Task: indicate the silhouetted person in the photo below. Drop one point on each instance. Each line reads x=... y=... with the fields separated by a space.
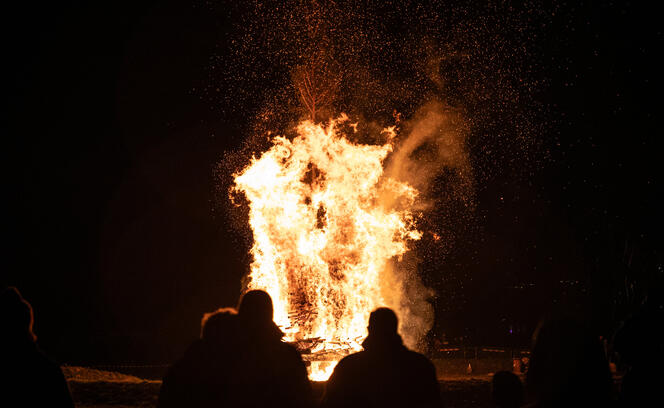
x=29 y=378
x=506 y=390
x=568 y=367
x=640 y=346
x=270 y=372
x=385 y=374
x=201 y=377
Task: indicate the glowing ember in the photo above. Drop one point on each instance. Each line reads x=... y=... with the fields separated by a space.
x=325 y=222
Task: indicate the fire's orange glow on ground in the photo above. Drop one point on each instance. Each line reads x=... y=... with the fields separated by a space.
x=326 y=222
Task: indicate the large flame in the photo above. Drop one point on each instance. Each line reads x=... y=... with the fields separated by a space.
x=326 y=222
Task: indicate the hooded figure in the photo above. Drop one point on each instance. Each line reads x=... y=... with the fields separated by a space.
x=269 y=372
x=568 y=367
x=28 y=378
x=385 y=374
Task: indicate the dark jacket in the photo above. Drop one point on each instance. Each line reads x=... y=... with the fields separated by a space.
x=270 y=373
x=199 y=379
x=29 y=379
x=255 y=369
x=386 y=374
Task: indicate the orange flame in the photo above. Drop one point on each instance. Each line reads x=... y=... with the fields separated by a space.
x=326 y=222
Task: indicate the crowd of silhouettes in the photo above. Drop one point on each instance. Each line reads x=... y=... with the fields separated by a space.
x=241 y=360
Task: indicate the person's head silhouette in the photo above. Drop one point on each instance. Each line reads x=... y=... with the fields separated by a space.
x=16 y=316
x=506 y=390
x=256 y=305
x=383 y=324
x=219 y=326
x=255 y=313
x=568 y=365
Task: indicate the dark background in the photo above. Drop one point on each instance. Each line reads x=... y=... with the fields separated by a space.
x=112 y=229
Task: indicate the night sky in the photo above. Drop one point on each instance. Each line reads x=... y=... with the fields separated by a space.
x=113 y=137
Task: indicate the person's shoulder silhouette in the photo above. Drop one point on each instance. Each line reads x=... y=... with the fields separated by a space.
x=568 y=366
x=640 y=346
x=28 y=377
x=272 y=372
x=385 y=374
x=201 y=377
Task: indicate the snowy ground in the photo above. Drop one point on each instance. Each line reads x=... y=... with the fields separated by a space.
x=92 y=388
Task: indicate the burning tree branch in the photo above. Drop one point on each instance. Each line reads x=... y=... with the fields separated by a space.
x=317 y=85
